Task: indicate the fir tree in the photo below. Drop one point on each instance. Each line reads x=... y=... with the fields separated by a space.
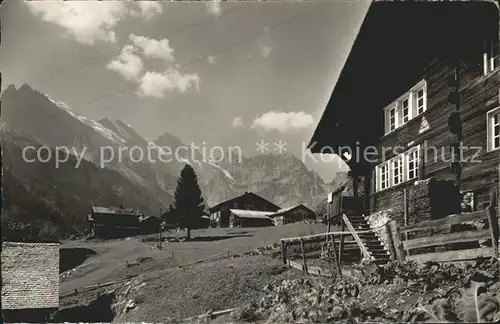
x=188 y=201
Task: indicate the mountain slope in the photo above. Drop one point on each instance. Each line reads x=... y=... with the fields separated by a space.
x=56 y=200
x=29 y=117
x=32 y=114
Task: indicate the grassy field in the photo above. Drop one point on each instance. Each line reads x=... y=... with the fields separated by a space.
x=170 y=292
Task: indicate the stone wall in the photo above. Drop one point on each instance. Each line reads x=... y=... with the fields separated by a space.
x=377 y=220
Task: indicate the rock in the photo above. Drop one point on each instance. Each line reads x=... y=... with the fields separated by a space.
x=129 y=305
x=132 y=264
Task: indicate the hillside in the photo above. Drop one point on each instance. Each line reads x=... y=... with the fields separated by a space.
x=33 y=118
x=55 y=202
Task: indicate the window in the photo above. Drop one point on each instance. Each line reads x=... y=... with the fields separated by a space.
x=491 y=59
x=384 y=176
x=406 y=110
x=420 y=101
x=399 y=169
x=408 y=106
x=412 y=162
x=392 y=119
x=493 y=130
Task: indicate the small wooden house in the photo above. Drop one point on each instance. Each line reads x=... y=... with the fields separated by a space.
x=415 y=112
x=249 y=218
x=293 y=214
x=113 y=221
x=220 y=213
x=30 y=282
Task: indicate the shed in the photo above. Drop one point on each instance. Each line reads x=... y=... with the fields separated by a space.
x=30 y=281
x=250 y=218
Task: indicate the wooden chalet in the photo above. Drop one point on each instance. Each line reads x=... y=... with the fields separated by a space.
x=220 y=213
x=107 y=222
x=293 y=214
x=30 y=282
x=415 y=112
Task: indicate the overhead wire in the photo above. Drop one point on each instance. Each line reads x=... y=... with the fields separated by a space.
x=218 y=51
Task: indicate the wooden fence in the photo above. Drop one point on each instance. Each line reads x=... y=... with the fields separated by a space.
x=403 y=248
x=341 y=243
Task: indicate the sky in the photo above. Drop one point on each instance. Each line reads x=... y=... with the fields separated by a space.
x=212 y=73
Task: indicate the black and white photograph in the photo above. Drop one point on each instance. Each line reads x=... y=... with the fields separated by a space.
x=250 y=161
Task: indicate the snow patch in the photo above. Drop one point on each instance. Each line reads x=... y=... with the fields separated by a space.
x=89 y=122
x=224 y=171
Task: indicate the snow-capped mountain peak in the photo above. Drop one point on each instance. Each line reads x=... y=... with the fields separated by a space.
x=89 y=122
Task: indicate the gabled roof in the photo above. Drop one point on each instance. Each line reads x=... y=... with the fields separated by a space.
x=288 y=209
x=251 y=213
x=30 y=275
x=116 y=211
x=396 y=42
x=218 y=206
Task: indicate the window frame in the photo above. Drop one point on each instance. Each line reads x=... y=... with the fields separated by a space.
x=491 y=58
x=388 y=169
x=379 y=172
x=416 y=152
x=490 y=136
x=399 y=160
x=411 y=96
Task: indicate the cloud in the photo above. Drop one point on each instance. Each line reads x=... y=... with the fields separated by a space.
x=127 y=64
x=283 y=121
x=153 y=48
x=90 y=21
x=152 y=83
x=265 y=50
x=156 y=85
x=149 y=8
x=237 y=122
x=85 y=21
x=211 y=59
x=214 y=7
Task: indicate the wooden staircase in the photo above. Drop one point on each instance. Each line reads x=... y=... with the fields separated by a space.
x=370 y=244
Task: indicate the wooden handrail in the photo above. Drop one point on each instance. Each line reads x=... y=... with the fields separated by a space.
x=361 y=245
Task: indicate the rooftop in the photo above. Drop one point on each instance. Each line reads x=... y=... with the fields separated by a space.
x=30 y=275
x=116 y=211
x=251 y=213
x=284 y=210
x=217 y=207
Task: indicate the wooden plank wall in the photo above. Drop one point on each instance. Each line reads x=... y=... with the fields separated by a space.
x=491 y=233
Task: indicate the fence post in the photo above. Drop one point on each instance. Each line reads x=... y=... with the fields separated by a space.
x=398 y=245
x=283 y=251
x=342 y=237
x=335 y=259
x=493 y=222
x=303 y=256
x=391 y=242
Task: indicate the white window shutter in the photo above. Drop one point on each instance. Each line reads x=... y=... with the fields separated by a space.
x=387 y=121
x=399 y=115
